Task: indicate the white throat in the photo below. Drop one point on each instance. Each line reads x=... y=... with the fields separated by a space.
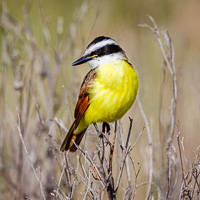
x=99 y=61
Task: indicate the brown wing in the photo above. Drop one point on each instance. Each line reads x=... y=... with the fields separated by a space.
x=83 y=99
x=81 y=107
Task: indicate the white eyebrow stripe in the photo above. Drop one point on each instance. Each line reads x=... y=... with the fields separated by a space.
x=99 y=45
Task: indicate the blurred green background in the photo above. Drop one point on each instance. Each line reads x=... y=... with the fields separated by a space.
x=65 y=28
x=119 y=19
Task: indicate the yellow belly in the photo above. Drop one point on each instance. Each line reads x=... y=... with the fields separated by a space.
x=111 y=94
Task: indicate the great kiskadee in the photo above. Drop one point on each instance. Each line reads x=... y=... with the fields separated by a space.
x=107 y=92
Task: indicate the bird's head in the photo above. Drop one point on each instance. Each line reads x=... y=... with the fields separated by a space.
x=100 y=51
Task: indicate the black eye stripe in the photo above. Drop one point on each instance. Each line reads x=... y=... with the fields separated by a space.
x=107 y=50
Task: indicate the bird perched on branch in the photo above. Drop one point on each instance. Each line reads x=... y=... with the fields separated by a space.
x=107 y=92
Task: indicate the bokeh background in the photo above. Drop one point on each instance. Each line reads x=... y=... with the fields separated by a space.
x=38 y=42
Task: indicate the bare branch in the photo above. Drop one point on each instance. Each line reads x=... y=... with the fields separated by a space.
x=28 y=158
x=150 y=141
x=91 y=162
x=167 y=50
x=125 y=152
x=181 y=159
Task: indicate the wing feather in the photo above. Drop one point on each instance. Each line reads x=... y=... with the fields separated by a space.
x=83 y=99
x=81 y=107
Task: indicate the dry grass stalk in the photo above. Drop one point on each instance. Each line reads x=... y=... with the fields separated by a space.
x=166 y=46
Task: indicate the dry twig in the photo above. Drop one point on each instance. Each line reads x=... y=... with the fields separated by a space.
x=28 y=158
x=168 y=55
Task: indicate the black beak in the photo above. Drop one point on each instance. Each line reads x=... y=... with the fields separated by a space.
x=82 y=60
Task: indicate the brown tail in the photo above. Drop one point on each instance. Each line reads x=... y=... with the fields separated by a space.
x=68 y=143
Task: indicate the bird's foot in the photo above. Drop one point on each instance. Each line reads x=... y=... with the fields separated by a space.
x=106 y=128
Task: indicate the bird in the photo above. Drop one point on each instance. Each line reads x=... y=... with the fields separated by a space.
x=107 y=92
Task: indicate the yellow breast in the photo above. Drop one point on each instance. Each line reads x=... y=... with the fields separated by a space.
x=112 y=93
